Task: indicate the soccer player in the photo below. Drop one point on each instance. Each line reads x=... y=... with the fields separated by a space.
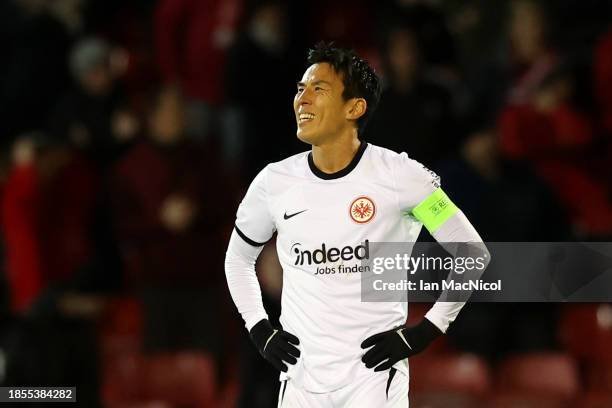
x=334 y=350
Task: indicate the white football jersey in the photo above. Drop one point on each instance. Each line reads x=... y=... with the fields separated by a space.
x=324 y=222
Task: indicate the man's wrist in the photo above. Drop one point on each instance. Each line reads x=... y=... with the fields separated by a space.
x=251 y=319
x=420 y=336
x=428 y=330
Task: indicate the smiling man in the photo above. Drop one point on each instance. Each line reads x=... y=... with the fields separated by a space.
x=327 y=205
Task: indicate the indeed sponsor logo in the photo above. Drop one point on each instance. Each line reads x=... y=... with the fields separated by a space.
x=324 y=254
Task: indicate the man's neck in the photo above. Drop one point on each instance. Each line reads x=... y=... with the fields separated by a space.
x=334 y=156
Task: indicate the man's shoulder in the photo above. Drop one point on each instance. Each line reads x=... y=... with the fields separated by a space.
x=291 y=166
x=400 y=164
x=383 y=152
x=388 y=157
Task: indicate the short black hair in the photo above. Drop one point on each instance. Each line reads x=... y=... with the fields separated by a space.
x=359 y=78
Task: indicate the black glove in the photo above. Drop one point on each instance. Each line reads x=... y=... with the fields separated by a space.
x=397 y=344
x=275 y=345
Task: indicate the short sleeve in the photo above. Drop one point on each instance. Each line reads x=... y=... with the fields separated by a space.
x=254 y=223
x=414 y=182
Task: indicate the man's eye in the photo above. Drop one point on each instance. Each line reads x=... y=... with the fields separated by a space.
x=300 y=90
x=318 y=88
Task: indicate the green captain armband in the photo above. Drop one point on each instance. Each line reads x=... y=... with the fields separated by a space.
x=434 y=210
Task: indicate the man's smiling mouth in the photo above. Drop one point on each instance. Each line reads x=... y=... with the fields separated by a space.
x=305 y=117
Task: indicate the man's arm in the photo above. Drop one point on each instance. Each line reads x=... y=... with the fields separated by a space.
x=458 y=237
x=275 y=345
x=254 y=227
x=242 y=280
x=421 y=197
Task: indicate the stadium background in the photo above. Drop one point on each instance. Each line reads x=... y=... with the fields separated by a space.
x=130 y=130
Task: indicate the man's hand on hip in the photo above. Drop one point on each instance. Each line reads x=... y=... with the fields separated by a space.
x=275 y=345
x=397 y=344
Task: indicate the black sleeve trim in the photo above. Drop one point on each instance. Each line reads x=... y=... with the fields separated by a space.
x=247 y=239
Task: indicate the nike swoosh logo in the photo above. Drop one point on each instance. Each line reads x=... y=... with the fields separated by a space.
x=292 y=215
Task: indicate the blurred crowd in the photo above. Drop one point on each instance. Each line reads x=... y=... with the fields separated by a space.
x=130 y=130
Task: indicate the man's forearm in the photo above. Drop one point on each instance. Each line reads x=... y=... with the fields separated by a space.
x=459 y=238
x=242 y=280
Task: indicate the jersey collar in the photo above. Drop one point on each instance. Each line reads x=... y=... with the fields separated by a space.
x=339 y=173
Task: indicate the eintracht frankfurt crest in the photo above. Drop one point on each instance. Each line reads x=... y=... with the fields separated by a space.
x=362 y=210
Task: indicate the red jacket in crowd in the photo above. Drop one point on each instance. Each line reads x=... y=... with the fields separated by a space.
x=46 y=219
x=191 y=38
x=556 y=143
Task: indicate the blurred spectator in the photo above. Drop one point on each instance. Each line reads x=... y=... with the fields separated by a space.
x=52 y=266
x=505 y=202
x=172 y=209
x=93 y=116
x=23 y=266
x=531 y=56
x=553 y=136
x=602 y=81
x=479 y=176
x=47 y=213
x=260 y=68
x=414 y=114
x=430 y=29
x=477 y=28
x=69 y=12
x=129 y=25
x=33 y=72
x=550 y=124
x=191 y=38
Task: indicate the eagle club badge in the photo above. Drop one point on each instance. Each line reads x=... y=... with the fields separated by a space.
x=362 y=210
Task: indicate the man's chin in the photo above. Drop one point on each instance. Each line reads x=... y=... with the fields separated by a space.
x=305 y=137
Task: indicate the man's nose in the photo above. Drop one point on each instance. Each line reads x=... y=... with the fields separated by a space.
x=304 y=98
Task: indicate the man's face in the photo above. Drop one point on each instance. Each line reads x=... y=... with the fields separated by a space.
x=320 y=109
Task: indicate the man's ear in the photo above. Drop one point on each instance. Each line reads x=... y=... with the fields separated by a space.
x=356 y=108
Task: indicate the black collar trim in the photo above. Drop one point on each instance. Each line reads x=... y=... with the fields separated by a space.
x=339 y=173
